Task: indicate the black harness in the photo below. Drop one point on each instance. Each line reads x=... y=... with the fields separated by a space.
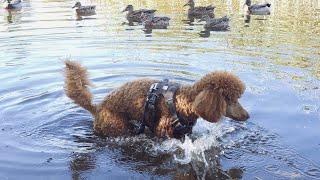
x=167 y=90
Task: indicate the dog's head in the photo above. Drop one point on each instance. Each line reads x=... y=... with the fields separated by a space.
x=218 y=95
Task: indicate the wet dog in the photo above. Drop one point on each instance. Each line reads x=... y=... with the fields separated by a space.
x=213 y=96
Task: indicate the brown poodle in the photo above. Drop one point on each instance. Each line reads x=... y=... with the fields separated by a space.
x=213 y=96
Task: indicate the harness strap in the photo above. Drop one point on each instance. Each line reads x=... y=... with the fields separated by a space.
x=168 y=96
x=167 y=90
x=149 y=106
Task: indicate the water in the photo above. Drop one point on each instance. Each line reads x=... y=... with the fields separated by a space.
x=44 y=135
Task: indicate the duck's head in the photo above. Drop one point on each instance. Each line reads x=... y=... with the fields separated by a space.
x=190 y=3
x=78 y=4
x=6 y=1
x=128 y=8
x=248 y=3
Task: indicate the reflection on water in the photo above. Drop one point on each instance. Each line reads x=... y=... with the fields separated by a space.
x=43 y=134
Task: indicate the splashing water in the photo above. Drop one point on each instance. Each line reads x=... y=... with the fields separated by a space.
x=193 y=147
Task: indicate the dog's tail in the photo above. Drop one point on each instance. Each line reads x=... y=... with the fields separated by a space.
x=76 y=85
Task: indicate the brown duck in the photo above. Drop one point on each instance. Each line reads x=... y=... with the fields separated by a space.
x=135 y=15
x=199 y=11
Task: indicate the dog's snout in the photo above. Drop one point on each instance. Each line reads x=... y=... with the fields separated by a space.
x=237 y=112
x=246 y=116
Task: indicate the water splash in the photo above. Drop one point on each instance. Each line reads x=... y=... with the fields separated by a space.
x=193 y=147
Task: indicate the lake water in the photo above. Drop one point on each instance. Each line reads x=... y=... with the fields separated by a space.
x=44 y=135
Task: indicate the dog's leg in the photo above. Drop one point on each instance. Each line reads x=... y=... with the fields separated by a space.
x=164 y=128
x=111 y=124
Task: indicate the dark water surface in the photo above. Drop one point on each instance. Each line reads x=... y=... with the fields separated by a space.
x=43 y=135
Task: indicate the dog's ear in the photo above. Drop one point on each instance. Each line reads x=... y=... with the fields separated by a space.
x=210 y=105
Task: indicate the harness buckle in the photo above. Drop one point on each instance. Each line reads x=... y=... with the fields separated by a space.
x=169 y=101
x=153 y=87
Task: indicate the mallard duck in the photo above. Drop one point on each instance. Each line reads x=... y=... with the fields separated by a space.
x=258 y=9
x=151 y=22
x=15 y=5
x=135 y=15
x=216 y=24
x=84 y=10
x=199 y=11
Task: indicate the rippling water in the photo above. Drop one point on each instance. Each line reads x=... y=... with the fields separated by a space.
x=44 y=135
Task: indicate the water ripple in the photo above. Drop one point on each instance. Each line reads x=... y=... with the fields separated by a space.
x=43 y=134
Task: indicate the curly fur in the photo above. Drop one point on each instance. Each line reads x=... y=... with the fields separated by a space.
x=76 y=87
x=213 y=96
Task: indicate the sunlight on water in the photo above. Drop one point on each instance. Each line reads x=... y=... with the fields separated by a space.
x=43 y=134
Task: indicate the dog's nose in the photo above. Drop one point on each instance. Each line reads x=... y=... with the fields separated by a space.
x=245 y=116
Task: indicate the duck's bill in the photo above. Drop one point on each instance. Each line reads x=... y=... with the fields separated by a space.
x=186 y=5
x=73 y=7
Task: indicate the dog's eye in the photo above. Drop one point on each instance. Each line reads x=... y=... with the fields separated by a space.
x=230 y=100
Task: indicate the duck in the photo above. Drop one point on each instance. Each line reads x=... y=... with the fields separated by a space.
x=13 y=5
x=84 y=10
x=216 y=24
x=154 y=22
x=199 y=11
x=135 y=15
x=258 y=9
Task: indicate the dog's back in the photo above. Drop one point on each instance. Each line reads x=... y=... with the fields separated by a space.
x=128 y=99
